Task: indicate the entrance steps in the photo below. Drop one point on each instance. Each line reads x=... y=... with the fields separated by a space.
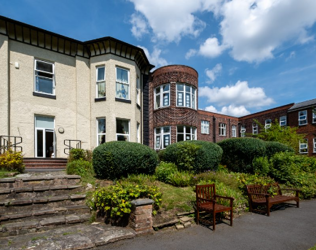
x=45 y=163
x=38 y=202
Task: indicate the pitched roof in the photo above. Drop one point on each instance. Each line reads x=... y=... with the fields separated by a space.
x=300 y=105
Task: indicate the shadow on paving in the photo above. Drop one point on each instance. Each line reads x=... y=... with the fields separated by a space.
x=287 y=228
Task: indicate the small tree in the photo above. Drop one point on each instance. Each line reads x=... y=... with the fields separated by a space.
x=283 y=134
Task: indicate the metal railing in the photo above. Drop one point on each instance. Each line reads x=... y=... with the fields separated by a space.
x=70 y=144
x=7 y=142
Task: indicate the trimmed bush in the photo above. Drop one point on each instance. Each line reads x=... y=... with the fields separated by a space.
x=273 y=147
x=238 y=153
x=80 y=167
x=80 y=154
x=118 y=159
x=194 y=156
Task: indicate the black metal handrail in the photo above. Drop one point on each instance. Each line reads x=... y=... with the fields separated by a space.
x=7 y=142
x=69 y=145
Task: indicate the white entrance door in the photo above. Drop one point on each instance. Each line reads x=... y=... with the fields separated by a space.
x=44 y=137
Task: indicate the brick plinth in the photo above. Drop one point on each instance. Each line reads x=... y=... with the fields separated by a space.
x=141 y=217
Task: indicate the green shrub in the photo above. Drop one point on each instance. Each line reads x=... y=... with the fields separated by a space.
x=238 y=153
x=195 y=156
x=80 y=167
x=115 y=201
x=80 y=154
x=180 y=179
x=273 y=147
x=12 y=161
x=164 y=169
x=118 y=159
x=261 y=165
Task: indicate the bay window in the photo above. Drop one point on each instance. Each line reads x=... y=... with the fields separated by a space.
x=186 y=96
x=186 y=133
x=162 y=96
x=122 y=83
x=122 y=130
x=162 y=137
x=100 y=82
x=101 y=131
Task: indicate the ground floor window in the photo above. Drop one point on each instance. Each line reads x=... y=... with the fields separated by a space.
x=205 y=127
x=303 y=146
x=234 y=134
x=101 y=131
x=122 y=130
x=222 y=129
x=254 y=128
x=242 y=131
x=162 y=137
x=186 y=133
x=314 y=145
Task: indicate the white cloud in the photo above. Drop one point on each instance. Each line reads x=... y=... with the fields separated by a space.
x=239 y=94
x=190 y=53
x=139 y=26
x=211 y=48
x=230 y=110
x=154 y=57
x=170 y=20
x=213 y=73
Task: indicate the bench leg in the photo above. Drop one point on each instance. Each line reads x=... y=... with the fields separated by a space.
x=214 y=220
x=197 y=216
x=231 y=218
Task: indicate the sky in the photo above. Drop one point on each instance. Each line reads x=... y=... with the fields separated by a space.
x=251 y=55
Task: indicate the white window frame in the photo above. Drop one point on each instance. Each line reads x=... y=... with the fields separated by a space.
x=127 y=84
x=234 y=131
x=126 y=135
x=185 y=133
x=283 y=121
x=101 y=133
x=242 y=131
x=314 y=115
x=138 y=132
x=302 y=117
x=163 y=137
x=162 y=94
x=267 y=124
x=222 y=129
x=38 y=72
x=99 y=81
x=303 y=146
x=205 y=127
x=254 y=128
x=314 y=145
x=188 y=91
x=138 y=92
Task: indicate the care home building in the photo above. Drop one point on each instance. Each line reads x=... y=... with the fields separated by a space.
x=56 y=91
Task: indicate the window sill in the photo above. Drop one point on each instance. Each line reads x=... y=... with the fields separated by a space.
x=100 y=99
x=122 y=100
x=44 y=95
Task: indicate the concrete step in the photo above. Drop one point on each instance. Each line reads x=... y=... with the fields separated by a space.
x=39 y=214
x=41 y=224
x=27 y=180
x=57 y=163
x=10 y=206
x=38 y=191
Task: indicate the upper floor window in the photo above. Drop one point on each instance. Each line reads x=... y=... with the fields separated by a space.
x=162 y=137
x=314 y=115
x=283 y=121
x=186 y=96
x=222 y=129
x=314 y=145
x=44 y=77
x=302 y=117
x=138 y=93
x=122 y=83
x=234 y=130
x=267 y=124
x=254 y=128
x=186 y=133
x=242 y=131
x=100 y=81
x=101 y=131
x=303 y=146
x=162 y=96
x=122 y=130
x=205 y=127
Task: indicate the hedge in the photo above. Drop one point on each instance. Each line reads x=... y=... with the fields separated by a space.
x=116 y=159
x=273 y=147
x=238 y=153
x=194 y=156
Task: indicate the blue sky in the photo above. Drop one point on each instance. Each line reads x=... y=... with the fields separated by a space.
x=251 y=55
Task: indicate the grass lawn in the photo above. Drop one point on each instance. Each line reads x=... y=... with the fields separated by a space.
x=5 y=173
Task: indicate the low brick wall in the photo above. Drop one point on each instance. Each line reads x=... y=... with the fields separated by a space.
x=141 y=217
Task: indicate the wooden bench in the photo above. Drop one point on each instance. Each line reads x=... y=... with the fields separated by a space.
x=207 y=200
x=259 y=196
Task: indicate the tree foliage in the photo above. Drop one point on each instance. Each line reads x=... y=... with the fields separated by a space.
x=283 y=134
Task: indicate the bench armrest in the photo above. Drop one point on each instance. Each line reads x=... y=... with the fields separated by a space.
x=297 y=191
x=202 y=199
x=224 y=197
